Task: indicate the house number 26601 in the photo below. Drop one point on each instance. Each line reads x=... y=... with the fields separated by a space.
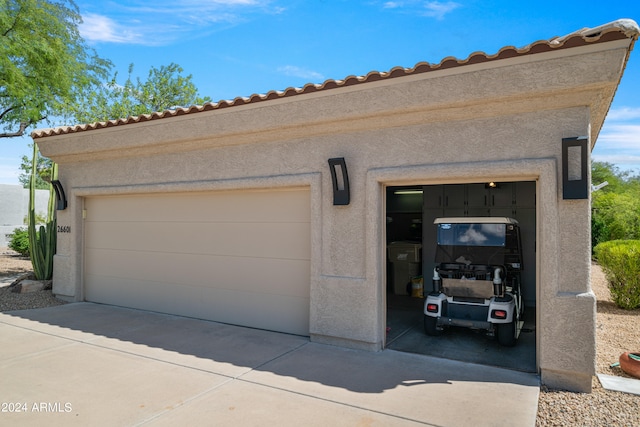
x=64 y=229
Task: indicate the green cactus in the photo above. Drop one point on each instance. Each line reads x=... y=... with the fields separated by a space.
x=42 y=244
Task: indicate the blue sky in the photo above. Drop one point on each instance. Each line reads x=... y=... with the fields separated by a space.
x=241 y=47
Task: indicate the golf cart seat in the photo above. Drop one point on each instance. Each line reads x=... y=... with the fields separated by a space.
x=467 y=288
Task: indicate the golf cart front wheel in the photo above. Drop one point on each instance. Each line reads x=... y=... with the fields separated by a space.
x=431 y=325
x=507 y=333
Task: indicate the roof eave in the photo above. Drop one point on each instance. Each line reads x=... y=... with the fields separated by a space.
x=617 y=30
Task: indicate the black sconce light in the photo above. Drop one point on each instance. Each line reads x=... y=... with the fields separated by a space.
x=340 y=181
x=574 y=168
x=61 y=200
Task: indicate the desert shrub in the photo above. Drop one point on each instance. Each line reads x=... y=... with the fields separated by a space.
x=620 y=261
x=19 y=241
x=615 y=217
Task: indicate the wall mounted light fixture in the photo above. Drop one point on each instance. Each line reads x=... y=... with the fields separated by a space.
x=61 y=200
x=574 y=168
x=340 y=181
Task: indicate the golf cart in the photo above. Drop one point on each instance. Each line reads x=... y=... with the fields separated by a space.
x=476 y=282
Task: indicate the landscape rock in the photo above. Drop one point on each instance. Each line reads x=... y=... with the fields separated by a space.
x=27 y=286
x=24 y=276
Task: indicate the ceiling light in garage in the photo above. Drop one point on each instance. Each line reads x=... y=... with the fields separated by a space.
x=408 y=191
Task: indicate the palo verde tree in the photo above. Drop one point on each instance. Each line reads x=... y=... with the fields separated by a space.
x=42 y=171
x=47 y=70
x=165 y=88
x=45 y=65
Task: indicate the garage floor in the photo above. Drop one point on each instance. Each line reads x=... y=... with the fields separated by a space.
x=406 y=333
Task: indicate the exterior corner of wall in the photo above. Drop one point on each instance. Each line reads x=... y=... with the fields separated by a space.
x=568 y=340
x=574 y=246
x=570 y=381
x=346 y=308
x=62 y=282
x=347 y=343
x=65 y=298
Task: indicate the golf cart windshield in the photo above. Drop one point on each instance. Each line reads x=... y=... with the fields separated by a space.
x=478 y=241
x=471 y=234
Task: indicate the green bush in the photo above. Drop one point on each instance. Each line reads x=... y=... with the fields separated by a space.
x=19 y=241
x=615 y=217
x=620 y=260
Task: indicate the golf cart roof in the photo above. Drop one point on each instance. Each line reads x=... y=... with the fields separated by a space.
x=476 y=220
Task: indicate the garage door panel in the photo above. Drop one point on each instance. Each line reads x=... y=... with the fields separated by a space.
x=145 y=294
x=254 y=309
x=241 y=258
x=110 y=289
x=272 y=312
x=242 y=206
x=291 y=241
x=267 y=275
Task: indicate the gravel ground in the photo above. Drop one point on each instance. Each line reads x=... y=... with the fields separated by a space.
x=617 y=331
x=11 y=266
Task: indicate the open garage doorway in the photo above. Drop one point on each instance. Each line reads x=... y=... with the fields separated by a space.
x=411 y=241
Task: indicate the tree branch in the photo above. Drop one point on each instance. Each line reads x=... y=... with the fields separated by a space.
x=8 y=110
x=20 y=132
x=22 y=129
x=14 y=24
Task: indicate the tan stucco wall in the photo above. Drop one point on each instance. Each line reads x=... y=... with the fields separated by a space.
x=500 y=121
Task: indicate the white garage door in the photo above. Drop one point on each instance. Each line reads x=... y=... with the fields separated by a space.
x=240 y=257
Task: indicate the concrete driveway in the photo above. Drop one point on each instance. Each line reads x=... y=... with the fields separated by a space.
x=91 y=364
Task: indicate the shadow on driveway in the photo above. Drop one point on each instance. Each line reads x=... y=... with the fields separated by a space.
x=386 y=384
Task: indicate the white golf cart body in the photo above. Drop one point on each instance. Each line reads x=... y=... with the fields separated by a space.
x=476 y=282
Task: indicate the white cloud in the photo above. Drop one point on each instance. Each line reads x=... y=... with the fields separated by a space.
x=99 y=28
x=618 y=159
x=436 y=9
x=620 y=137
x=431 y=9
x=163 y=21
x=294 y=71
x=623 y=113
x=619 y=143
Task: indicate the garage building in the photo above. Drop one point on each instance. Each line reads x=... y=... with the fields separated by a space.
x=273 y=211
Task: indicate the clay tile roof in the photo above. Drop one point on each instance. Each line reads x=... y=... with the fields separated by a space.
x=617 y=30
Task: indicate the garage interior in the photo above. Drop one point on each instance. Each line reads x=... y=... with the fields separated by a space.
x=410 y=213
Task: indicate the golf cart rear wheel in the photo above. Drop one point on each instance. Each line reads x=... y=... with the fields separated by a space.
x=431 y=326
x=507 y=333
